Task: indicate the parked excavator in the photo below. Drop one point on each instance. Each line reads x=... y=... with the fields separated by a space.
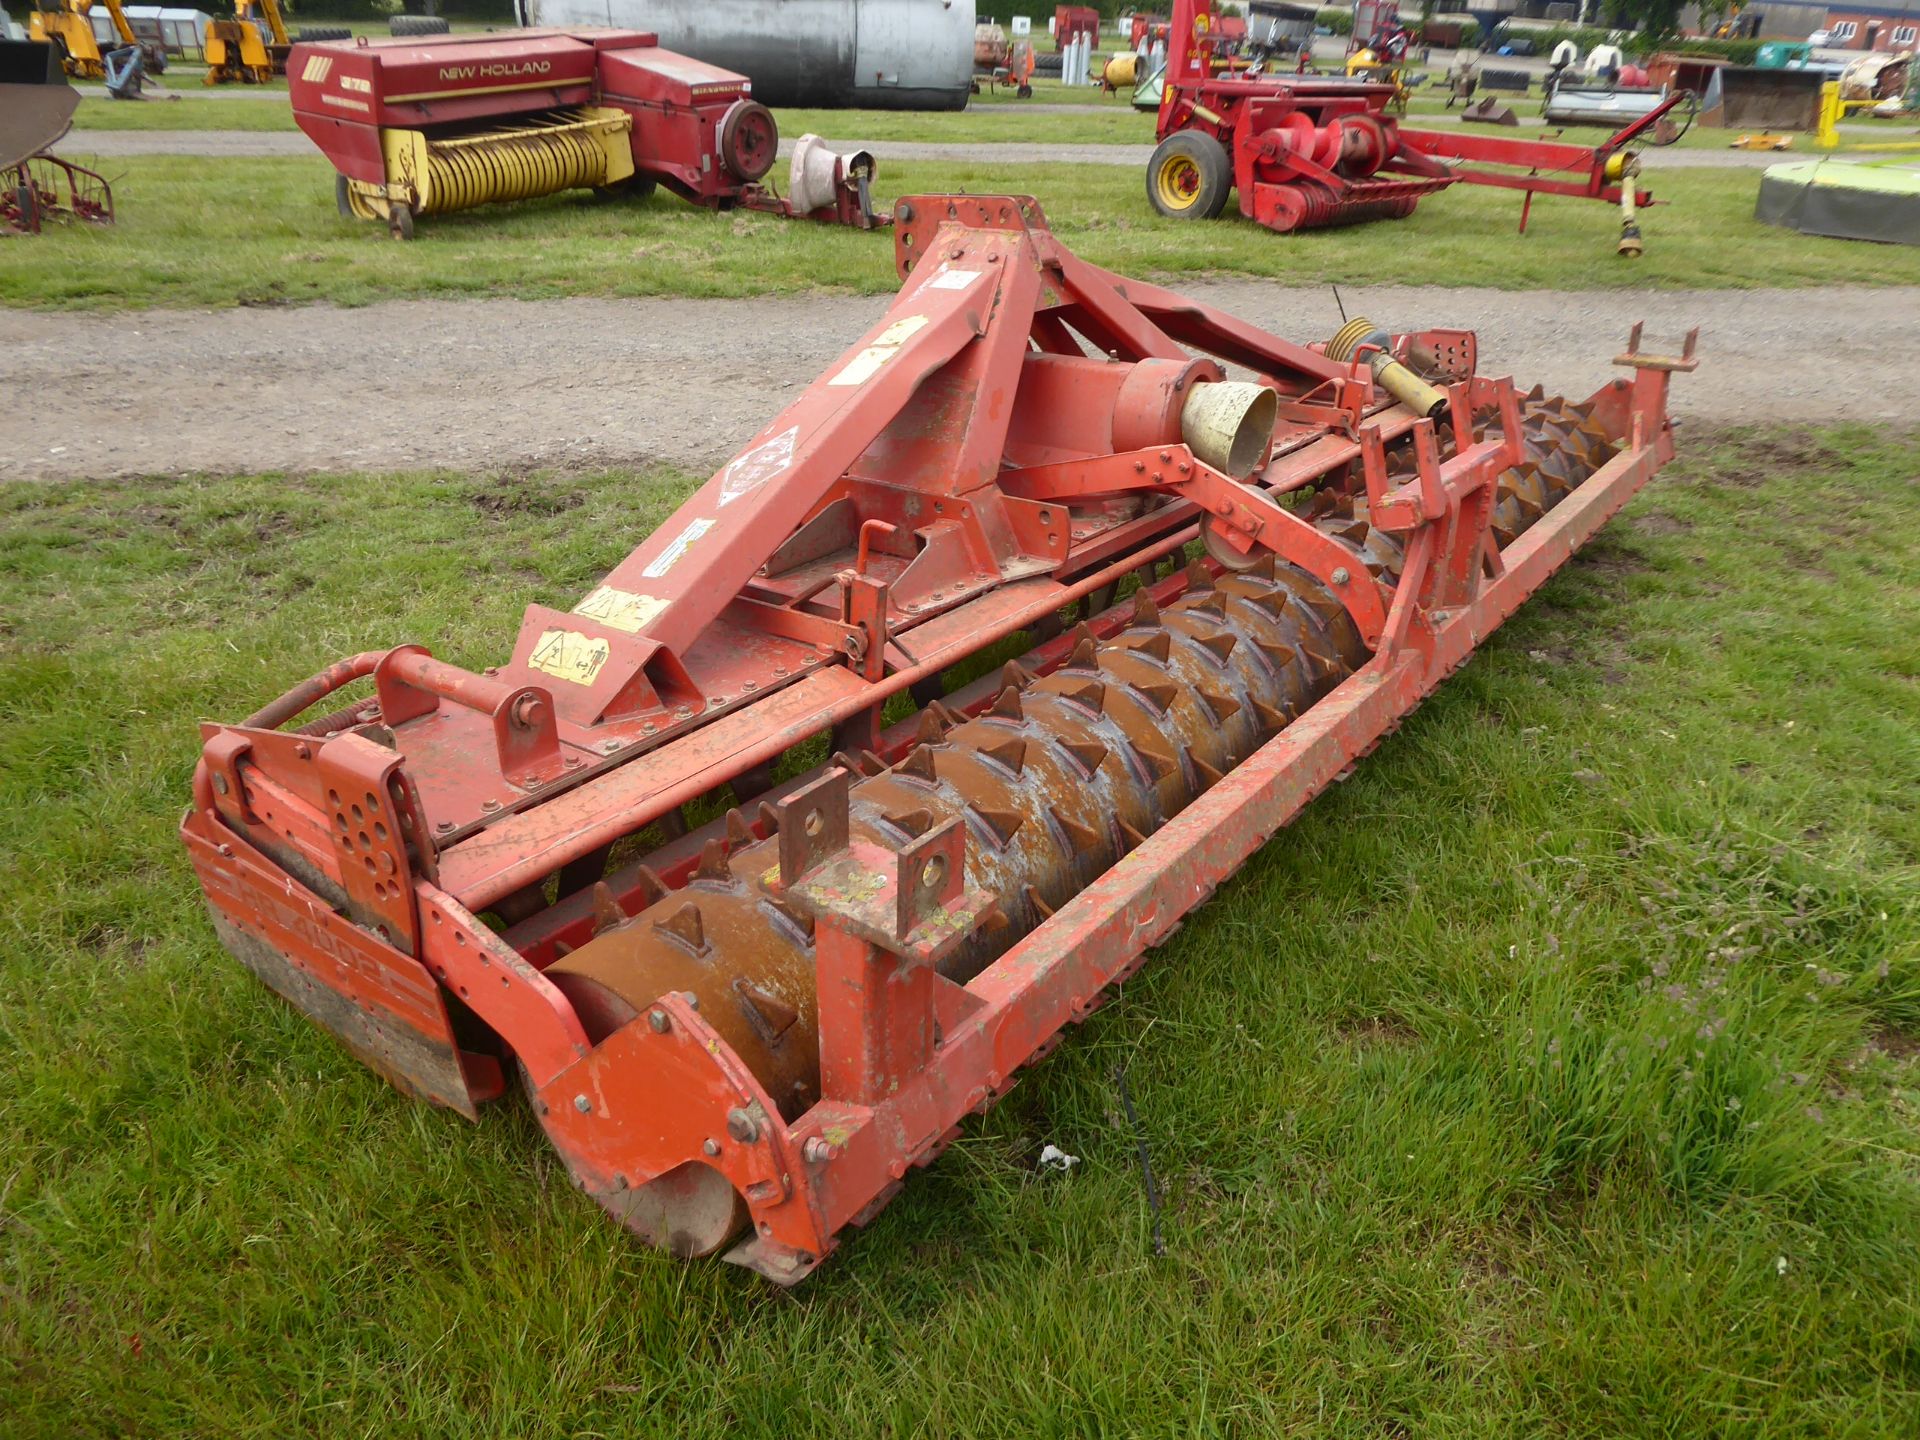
x=237 y=50
x=68 y=26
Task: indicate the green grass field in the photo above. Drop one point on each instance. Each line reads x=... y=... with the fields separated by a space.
x=1097 y=119
x=1111 y=124
x=1558 y=1074
x=268 y=233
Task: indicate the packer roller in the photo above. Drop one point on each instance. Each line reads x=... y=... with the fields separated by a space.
x=752 y=871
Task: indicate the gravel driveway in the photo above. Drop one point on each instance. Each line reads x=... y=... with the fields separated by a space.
x=485 y=384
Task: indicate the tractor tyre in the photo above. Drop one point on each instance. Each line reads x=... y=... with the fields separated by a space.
x=418 y=25
x=316 y=34
x=1189 y=176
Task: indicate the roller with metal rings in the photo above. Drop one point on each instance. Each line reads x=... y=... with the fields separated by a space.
x=478 y=170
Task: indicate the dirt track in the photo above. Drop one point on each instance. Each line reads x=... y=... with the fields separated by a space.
x=506 y=383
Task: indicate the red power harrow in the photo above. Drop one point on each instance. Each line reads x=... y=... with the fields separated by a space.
x=744 y=1033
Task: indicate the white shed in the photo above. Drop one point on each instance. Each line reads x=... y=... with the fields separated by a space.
x=183 y=32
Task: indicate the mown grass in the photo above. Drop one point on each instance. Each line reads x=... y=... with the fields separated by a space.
x=261 y=232
x=1555 y=1075
x=1096 y=120
x=194 y=110
x=1114 y=124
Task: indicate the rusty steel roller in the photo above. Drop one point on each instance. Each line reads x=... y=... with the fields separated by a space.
x=1061 y=777
x=1560 y=446
x=1057 y=780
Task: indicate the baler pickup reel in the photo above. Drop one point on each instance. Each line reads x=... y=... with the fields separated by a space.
x=427 y=127
x=741 y=1034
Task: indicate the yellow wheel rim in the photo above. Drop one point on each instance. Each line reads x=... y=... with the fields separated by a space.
x=1178 y=182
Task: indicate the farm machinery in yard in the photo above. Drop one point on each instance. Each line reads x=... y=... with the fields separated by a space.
x=752 y=951
x=68 y=26
x=238 y=51
x=37 y=105
x=1309 y=151
x=425 y=127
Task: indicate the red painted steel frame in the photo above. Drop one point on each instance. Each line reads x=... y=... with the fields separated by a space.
x=348 y=864
x=1249 y=114
x=1008 y=1015
x=345 y=93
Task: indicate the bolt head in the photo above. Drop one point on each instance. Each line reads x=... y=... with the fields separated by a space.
x=443 y=826
x=660 y=1021
x=741 y=1126
x=816 y=1151
x=711 y=1147
x=583 y=1104
x=1340 y=576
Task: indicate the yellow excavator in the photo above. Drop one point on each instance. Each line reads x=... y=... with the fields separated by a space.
x=236 y=50
x=67 y=25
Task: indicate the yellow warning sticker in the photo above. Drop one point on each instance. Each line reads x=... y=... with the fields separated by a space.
x=569 y=655
x=884 y=347
x=620 y=609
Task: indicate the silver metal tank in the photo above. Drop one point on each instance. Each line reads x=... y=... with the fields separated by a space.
x=868 y=54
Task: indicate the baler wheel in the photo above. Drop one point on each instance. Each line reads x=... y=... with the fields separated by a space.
x=749 y=140
x=634 y=187
x=342 y=200
x=400 y=221
x=1189 y=176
